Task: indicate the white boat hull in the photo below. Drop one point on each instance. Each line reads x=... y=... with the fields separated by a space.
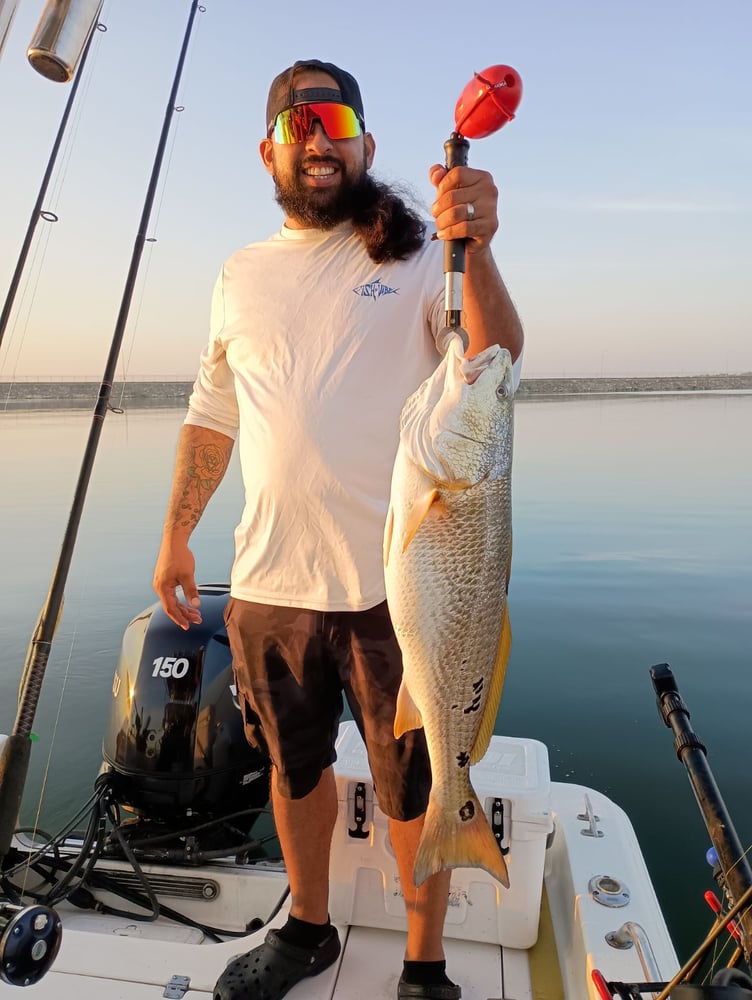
x=491 y=950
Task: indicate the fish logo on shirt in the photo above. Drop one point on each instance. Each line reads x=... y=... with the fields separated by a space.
x=375 y=289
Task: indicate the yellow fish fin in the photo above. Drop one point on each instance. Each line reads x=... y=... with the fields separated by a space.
x=418 y=514
x=388 y=532
x=408 y=714
x=494 y=695
x=460 y=840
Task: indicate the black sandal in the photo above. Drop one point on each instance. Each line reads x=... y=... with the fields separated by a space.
x=428 y=991
x=271 y=970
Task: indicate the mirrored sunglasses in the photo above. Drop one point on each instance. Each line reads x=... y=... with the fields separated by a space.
x=339 y=121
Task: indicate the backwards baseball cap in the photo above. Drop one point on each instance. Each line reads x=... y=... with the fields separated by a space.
x=283 y=95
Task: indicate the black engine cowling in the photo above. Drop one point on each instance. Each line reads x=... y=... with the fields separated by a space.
x=175 y=743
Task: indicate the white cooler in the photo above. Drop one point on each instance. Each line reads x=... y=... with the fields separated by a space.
x=514 y=787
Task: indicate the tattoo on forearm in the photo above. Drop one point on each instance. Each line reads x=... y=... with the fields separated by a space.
x=203 y=476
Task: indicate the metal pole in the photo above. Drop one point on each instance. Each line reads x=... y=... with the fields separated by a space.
x=15 y=753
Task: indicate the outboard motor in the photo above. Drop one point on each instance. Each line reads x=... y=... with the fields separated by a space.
x=175 y=746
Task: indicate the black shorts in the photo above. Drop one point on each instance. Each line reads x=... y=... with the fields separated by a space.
x=292 y=666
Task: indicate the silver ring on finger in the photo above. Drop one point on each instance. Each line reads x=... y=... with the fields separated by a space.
x=470 y=211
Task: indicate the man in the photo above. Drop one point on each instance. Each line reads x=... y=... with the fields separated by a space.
x=318 y=336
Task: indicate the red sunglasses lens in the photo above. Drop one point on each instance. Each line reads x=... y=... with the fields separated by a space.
x=339 y=121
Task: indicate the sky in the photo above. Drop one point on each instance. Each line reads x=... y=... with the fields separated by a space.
x=625 y=180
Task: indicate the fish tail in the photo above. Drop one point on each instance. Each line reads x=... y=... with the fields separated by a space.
x=458 y=839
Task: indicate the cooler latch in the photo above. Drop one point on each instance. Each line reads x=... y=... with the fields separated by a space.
x=499 y=813
x=359 y=809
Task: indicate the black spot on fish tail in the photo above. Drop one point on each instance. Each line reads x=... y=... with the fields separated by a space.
x=467 y=811
x=463 y=759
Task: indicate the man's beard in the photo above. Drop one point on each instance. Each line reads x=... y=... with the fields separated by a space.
x=323 y=208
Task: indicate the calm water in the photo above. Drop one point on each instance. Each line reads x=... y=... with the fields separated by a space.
x=633 y=546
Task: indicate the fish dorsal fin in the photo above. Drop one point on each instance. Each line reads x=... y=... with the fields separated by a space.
x=418 y=513
x=494 y=695
x=408 y=714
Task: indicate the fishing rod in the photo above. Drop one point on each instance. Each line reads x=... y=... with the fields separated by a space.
x=486 y=104
x=734 y=871
x=38 y=211
x=30 y=936
x=16 y=750
x=7 y=13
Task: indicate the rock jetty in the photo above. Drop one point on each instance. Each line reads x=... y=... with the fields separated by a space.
x=83 y=393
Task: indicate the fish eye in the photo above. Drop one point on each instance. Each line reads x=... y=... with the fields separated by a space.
x=501 y=390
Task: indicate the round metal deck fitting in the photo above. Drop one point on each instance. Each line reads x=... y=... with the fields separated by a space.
x=608 y=891
x=29 y=941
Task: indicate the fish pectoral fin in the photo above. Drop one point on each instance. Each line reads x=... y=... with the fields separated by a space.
x=494 y=695
x=418 y=513
x=388 y=533
x=408 y=715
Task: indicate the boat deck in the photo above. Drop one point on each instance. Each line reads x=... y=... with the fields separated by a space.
x=368 y=969
x=579 y=889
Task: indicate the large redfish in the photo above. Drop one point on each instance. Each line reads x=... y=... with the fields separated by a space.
x=447 y=554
